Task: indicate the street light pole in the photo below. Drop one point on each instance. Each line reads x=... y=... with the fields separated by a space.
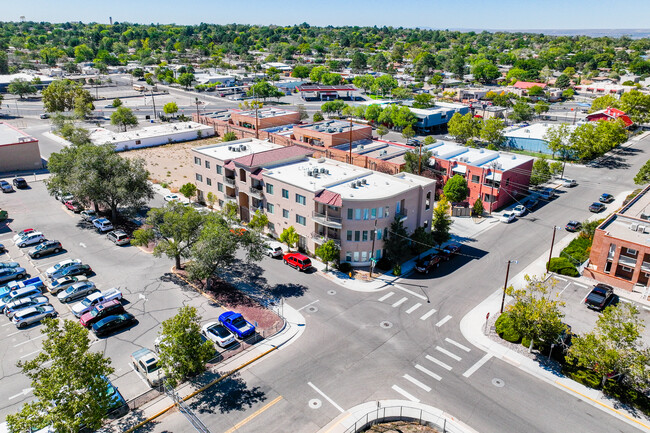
x=350 y=139
x=548 y=264
x=505 y=285
x=153 y=101
x=372 y=251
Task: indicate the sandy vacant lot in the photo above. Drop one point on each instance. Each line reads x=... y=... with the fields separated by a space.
x=171 y=164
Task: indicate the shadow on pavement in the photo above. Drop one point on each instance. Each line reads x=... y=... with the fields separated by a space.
x=133 y=418
x=231 y=394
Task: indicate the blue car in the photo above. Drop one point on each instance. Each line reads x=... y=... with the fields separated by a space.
x=8 y=274
x=236 y=324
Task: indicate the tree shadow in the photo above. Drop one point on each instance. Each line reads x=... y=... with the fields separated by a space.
x=170 y=277
x=231 y=394
x=289 y=290
x=134 y=418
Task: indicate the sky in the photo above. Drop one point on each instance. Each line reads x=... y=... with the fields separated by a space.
x=436 y=14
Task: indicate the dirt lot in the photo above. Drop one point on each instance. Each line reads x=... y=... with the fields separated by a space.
x=171 y=164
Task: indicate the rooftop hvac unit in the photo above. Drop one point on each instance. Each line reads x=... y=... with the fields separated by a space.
x=175 y=128
x=316 y=127
x=242 y=147
x=327 y=171
x=340 y=129
x=361 y=146
x=230 y=148
x=353 y=185
x=641 y=228
x=634 y=226
x=330 y=130
x=644 y=216
x=309 y=173
x=364 y=181
x=359 y=183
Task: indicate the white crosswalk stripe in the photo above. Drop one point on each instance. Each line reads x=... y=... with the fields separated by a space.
x=413 y=308
x=405 y=394
x=428 y=372
x=448 y=353
x=460 y=346
x=425 y=316
x=400 y=302
x=386 y=296
x=443 y=321
x=440 y=363
x=416 y=382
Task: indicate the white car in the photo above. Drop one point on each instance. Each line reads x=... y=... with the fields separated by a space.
x=102 y=225
x=93 y=299
x=31 y=315
x=88 y=215
x=519 y=210
x=172 y=197
x=20 y=304
x=273 y=249
x=60 y=266
x=21 y=234
x=30 y=239
x=569 y=183
x=507 y=217
x=216 y=332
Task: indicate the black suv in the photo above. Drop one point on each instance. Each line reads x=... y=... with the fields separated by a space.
x=427 y=263
x=20 y=183
x=599 y=297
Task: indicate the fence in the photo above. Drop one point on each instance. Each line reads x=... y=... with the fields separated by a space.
x=409 y=414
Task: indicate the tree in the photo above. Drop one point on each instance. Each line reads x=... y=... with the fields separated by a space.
x=186 y=79
x=413 y=163
x=117 y=102
x=317 y=72
x=170 y=108
x=541 y=172
x=302 y=111
x=174 y=229
x=603 y=102
x=373 y=111
x=332 y=79
x=408 y=132
x=615 y=345
x=359 y=62
x=401 y=93
x=441 y=222
x=536 y=91
x=421 y=241
x=289 y=236
x=485 y=71
x=456 y=189
x=563 y=81
x=521 y=112
x=188 y=190
x=478 y=208
x=558 y=139
x=436 y=80
x=212 y=199
x=264 y=90
x=568 y=93
x=396 y=243
x=541 y=107
x=462 y=128
x=556 y=168
x=492 y=131
x=643 y=176
x=385 y=84
x=382 y=130
x=183 y=351
x=61 y=95
x=636 y=105
x=83 y=53
x=328 y=252
x=300 y=71
x=67 y=380
x=364 y=82
x=21 y=88
x=258 y=221
x=535 y=313
x=318 y=117
x=124 y=118
x=229 y=136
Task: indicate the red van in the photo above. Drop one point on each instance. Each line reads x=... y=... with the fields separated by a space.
x=297 y=260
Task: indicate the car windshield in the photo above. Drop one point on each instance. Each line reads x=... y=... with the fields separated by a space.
x=219 y=331
x=152 y=367
x=239 y=322
x=86 y=302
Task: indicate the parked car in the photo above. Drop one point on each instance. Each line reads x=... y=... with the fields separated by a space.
x=547 y=194
x=102 y=225
x=54 y=271
x=119 y=237
x=80 y=308
x=599 y=297
x=573 y=226
x=273 y=249
x=531 y=202
x=236 y=324
x=597 y=207
x=47 y=247
x=65 y=197
x=14 y=295
x=5 y=186
x=568 y=183
x=507 y=217
x=297 y=260
x=519 y=210
x=30 y=239
x=216 y=332
x=449 y=251
x=114 y=323
x=2 y=249
x=76 y=291
x=427 y=263
x=79 y=269
x=9 y=265
x=15 y=285
x=20 y=183
x=20 y=304
x=606 y=198
x=9 y=274
x=31 y=315
x=74 y=206
x=172 y=197
x=44 y=116
x=146 y=362
x=88 y=215
x=98 y=312
x=21 y=234
x=56 y=286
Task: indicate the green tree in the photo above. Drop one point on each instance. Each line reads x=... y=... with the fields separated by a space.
x=364 y=82
x=441 y=222
x=615 y=345
x=643 y=176
x=117 y=102
x=328 y=252
x=289 y=236
x=359 y=62
x=558 y=139
x=401 y=93
x=212 y=199
x=300 y=108
x=541 y=107
x=521 y=112
x=332 y=79
x=258 y=221
x=568 y=93
x=382 y=130
x=636 y=105
x=264 y=90
x=373 y=112
x=67 y=381
x=456 y=189
x=385 y=83
x=603 y=102
x=4 y=63
x=183 y=351
x=436 y=80
x=478 y=208
x=124 y=118
x=396 y=243
x=462 y=128
x=536 y=91
x=429 y=140
x=408 y=132
x=170 y=108
x=186 y=80
x=492 y=131
x=317 y=72
x=318 y=117
x=423 y=100
x=229 y=136
x=414 y=163
x=83 y=53
x=300 y=71
x=563 y=81
x=541 y=172
x=82 y=108
x=485 y=71
x=188 y=190
x=61 y=95
x=421 y=241
x=556 y=168
x=21 y=88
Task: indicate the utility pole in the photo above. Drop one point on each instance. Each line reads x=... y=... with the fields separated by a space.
x=505 y=286
x=256 y=102
x=372 y=251
x=196 y=101
x=153 y=101
x=420 y=161
x=548 y=264
x=350 y=139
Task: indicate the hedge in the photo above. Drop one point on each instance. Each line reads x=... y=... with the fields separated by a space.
x=505 y=329
x=563 y=266
x=578 y=250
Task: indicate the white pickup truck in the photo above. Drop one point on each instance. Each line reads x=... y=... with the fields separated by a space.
x=147 y=363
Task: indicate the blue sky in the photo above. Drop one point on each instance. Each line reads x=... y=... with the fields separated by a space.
x=475 y=14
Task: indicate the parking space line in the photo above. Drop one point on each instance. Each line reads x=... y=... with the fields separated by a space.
x=6 y=324
x=427 y=372
x=581 y=285
x=425 y=316
x=460 y=346
x=443 y=321
x=413 y=308
x=567 y=286
x=400 y=302
x=30 y=354
x=440 y=363
x=14 y=333
x=624 y=300
x=646 y=308
x=405 y=394
x=448 y=353
x=416 y=382
x=29 y=341
x=477 y=365
x=326 y=397
x=559 y=278
x=386 y=296
x=301 y=308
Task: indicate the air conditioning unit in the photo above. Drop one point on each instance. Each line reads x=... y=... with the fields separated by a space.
x=641 y=228
x=644 y=216
x=364 y=181
x=353 y=185
x=322 y=170
x=230 y=148
x=634 y=226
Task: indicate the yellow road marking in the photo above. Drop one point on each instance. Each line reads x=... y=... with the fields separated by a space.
x=605 y=406
x=339 y=422
x=251 y=416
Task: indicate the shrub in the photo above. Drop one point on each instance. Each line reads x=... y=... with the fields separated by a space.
x=578 y=250
x=505 y=329
x=563 y=266
x=229 y=136
x=383 y=264
x=345 y=267
x=397 y=269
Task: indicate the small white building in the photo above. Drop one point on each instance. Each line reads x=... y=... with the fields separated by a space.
x=151 y=136
x=282 y=67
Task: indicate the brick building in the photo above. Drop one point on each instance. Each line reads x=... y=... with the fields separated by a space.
x=265 y=118
x=330 y=133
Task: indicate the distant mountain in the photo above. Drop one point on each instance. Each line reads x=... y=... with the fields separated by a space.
x=594 y=33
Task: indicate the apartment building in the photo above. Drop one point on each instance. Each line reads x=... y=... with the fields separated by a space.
x=321 y=198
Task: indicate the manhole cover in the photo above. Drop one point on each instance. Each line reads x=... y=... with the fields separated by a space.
x=498 y=382
x=315 y=403
x=331 y=292
x=312 y=309
x=386 y=324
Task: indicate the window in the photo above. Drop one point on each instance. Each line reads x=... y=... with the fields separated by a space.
x=364 y=236
x=356 y=256
x=386 y=211
x=397 y=207
x=208 y=181
x=219 y=186
x=365 y=214
x=380 y=212
x=626 y=269
x=426 y=224
x=197 y=160
x=378 y=254
x=364 y=256
x=378 y=234
x=220 y=203
x=285 y=213
x=348 y=256
x=357 y=214
x=427 y=203
x=219 y=169
x=357 y=236
x=373 y=213
x=350 y=213
x=199 y=177
x=271 y=227
x=301 y=199
x=301 y=220
x=138 y=141
x=285 y=193
x=631 y=252
x=269 y=207
x=476 y=178
x=507 y=182
x=269 y=188
x=207 y=164
x=349 y=235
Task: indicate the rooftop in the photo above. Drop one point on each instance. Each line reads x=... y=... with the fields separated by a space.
x=632 y=222
x=319 y=88
x=236 y=149
x=528 y=85
x=477 y=157
x=380 y=149
x=266 y=113
x=10 y=135
x=535 y=131
x=221 y=114
x=101 y=135
x=439 y=107
x=333 y=126
x=273 y=156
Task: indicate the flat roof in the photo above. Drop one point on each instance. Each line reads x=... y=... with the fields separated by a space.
x=225 y=151
x=267 y=113
x=535 y=131
x=477 y=157
x=10 y=135
x=319 y=88
x=221 y=114
x=333 y=126
x=380 y=149
x=634 y=215
x=102 y=135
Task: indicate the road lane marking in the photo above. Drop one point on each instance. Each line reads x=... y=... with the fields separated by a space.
x=428 y=372
x=400 y=302
x=448 y=353
x=386 y=296
x=416 y=382
x=413 y=308
x=253 y=415
x=440 y=363
x=326 y=397
x=7 y=324
x=425 y=316
x=305 y=306
x=646 y=308
x=23 y=393
x=405 y=394
x=30 y=354
x=460 y=346
x=478 y=365
x=417 y=295
x=443 y=321
x=13 y=333
x=29 y=341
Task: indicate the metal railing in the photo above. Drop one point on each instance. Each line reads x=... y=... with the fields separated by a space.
x=256 y=191
x=321 y=238
x=627 y=261
x=401 y=214
x=404 y=413
x=333 y=219
x=229 y=180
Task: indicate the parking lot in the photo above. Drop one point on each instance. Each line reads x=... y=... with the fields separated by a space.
x=151 y=292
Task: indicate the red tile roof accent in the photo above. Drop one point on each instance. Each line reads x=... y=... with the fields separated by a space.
x=230 y=165
x=329 y=198
x=268 y=156
x=528 y=85
x=610 y=113
x=257 y=174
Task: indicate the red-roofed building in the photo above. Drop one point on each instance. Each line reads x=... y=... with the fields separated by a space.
x=521 y=88
x=610 y=113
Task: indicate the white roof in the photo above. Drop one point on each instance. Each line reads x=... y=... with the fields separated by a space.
x=477 y=157
x=535 y=131
x=102 y=135
x=225 y=151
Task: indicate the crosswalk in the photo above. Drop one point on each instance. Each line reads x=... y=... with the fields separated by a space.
x=415 y=308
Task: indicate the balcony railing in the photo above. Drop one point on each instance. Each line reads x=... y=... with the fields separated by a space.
x=257 y=192
x=645 y=266
x=630 y=262
x=230 y=196
x=229 y=180
x=321 y=239
x=322 y=216
x=401 y=214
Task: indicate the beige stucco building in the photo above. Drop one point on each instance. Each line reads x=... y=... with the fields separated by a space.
x=18 y=151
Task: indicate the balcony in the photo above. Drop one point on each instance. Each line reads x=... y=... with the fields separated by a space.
x=630 y=262
x=229 y=180
x=327 y=220
x=401 y=215
x=645 y=266
x=230 y=196
x=321 y=239
x=256 y=192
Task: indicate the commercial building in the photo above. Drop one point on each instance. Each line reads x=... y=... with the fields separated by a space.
x=612 y=114
x=521 y=88
x=435 y=119
x=18 y=151
x=530 y=137
x=321 y=198
x=620 y=253
x=151 y=136
x=599 y=89
x=264 y=118
x=326 y=93
x=330 y=133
